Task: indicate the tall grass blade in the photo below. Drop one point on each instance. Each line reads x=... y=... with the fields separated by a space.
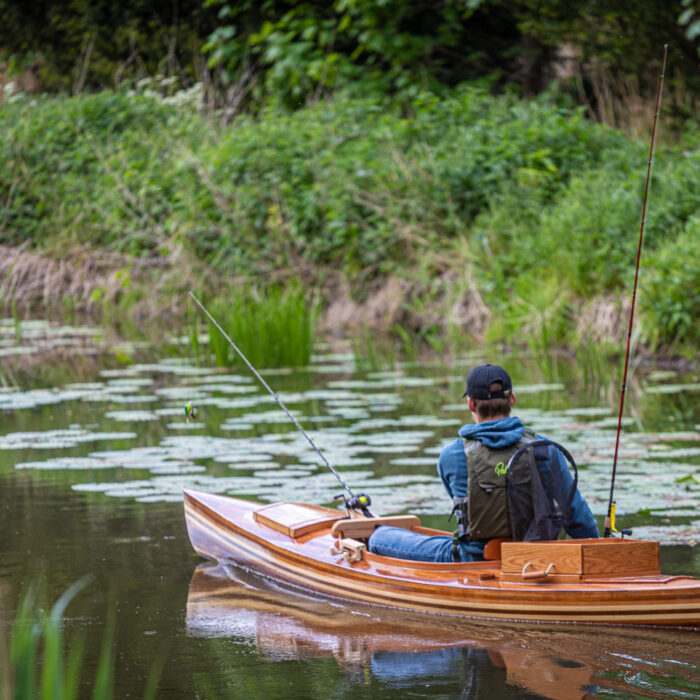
x=154 y=677
x=17 y=324
x=373 y=352
x=73 y=668
x=52 y=675
x=274 y=327
x=104 y=677
x=193 y=327
x=23 y=647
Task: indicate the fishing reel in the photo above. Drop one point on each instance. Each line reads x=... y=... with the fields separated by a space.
x=610 y=529
x=360 y=502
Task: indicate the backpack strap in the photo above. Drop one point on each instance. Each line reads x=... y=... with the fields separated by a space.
x=470 y=445
x=460 y=507
x=540 y=451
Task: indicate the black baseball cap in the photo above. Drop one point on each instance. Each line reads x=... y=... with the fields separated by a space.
x=481 y=377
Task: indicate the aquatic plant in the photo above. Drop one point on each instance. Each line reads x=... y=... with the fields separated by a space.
x=372 y=352
x=273 y=326
x=39 y=662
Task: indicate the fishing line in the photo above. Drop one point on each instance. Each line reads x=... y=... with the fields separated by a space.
x=361 y=500
x=610 y=518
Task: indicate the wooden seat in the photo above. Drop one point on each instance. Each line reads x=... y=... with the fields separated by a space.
x=362 y=528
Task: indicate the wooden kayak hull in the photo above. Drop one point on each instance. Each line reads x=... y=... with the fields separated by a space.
x=292 y=543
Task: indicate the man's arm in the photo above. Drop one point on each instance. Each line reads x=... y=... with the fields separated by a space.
x=452 y=468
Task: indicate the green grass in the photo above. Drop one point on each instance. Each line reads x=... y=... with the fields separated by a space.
x=373 y=352
x=273 y=326
x=40 y=662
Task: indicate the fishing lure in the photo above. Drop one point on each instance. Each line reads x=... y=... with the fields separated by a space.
x=190 y=411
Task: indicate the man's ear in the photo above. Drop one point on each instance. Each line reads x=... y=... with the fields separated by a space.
x=512 y=399
x=470 y=404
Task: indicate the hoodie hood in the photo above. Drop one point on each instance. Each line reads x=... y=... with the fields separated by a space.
x=495 y=433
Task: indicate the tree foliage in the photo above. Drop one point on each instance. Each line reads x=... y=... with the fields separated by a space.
x=94 y=44
x=299 y=50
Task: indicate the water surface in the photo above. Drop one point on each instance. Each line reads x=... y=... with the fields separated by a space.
x=94 y=455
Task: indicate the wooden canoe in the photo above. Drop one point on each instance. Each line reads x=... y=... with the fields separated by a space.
x=606 y=581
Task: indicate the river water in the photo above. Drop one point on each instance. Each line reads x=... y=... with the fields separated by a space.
x=94 y=454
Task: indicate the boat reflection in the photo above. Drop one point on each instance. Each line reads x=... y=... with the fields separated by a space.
x=403 y=649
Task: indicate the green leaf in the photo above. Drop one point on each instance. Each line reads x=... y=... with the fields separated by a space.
x=686 y=15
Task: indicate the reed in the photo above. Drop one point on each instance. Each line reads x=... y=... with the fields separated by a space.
x=274 y=327
x=17 y=323
x=35 y=662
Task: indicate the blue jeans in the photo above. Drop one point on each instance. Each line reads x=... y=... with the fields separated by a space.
x=406 y=544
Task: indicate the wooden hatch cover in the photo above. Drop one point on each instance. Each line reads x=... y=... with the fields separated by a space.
x=296 y=519
x=604 y=556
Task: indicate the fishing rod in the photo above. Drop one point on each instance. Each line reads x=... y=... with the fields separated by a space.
x=361 y=500
x=610 y=517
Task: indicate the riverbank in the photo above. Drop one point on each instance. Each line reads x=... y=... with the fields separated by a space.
x=89 y=287
x=96 y=283
x=472 y=217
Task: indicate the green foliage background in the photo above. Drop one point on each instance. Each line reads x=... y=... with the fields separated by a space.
x=364 y=139
x=525 y=202
x=296 y=50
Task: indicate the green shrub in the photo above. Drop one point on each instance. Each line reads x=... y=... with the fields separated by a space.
x=92 y=169
x=519 y=191
x=670 y=294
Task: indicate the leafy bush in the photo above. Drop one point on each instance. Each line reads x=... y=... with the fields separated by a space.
x=519 y=191
x=671 y=296
x=92 y=168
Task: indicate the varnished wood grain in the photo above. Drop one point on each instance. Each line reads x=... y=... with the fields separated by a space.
x=566 y=556
x=632 y=556
x=225 y=529
x=586 y=557
x=364 y=527
x=296 y=519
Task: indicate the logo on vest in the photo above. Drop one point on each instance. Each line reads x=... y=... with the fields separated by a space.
x=501 y=468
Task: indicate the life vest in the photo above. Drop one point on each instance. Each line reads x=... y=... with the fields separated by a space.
x=487 y=512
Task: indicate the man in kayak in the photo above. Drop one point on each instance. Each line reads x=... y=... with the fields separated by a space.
x=473 y=470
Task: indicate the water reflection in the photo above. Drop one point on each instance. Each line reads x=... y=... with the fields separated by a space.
x=407 y=651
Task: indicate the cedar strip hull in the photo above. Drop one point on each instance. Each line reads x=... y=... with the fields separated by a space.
x=225 y=529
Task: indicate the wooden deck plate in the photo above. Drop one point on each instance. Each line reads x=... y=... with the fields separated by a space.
x=296 y=519
x=584 y=557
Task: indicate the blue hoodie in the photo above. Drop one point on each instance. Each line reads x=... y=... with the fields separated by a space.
x=452 y=467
